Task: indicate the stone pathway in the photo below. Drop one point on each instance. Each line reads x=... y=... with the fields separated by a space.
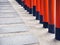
x=13 y=30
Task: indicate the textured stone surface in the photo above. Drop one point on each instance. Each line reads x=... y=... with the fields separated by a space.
x=7 y=11
x=3 y=0
x=5 y=3
x=12 y=25
x=11 y=15
x=14 y=28
x=6 y=8
x=10 y=20
x=18 y=40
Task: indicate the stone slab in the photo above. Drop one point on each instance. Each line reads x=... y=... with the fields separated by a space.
x=7 y=11
x=10 y=20
x=5 y=3
x=3 y=0
x=14 y=28
x=11 y=15
x=6 y=8
x=18 y=40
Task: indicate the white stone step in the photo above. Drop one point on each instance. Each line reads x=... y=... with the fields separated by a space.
x=19 y=40
x=3 y=0
x=6 y=8
x=11 y=15
x=7 y=11
x=10 y=20
x=14 y=28
x=5 y=3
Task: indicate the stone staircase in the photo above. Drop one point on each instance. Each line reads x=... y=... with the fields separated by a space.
x=13 y=30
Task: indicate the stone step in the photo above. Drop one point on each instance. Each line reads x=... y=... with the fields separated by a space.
x=6 y=8
x=11 y=15
x=19 y=40
x=7 y=11
x=3 y=0
x=16 y=20
x=3 y=3
x=14 y=28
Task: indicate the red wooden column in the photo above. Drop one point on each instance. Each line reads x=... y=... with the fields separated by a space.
x=34 y=7
x=37 y=9
x=41 y=10
x=22 y=1
x=31 y=7
x=57 y=35
x=28 y=5
x=46 y=13
x=25 y=4
x=51 y=16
